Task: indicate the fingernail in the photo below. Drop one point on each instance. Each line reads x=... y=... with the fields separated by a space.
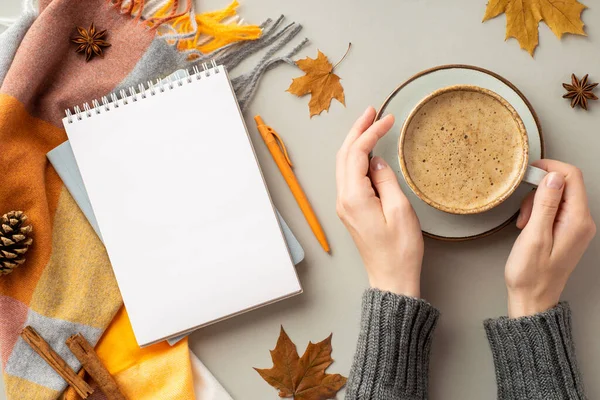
x=378 y=164
x=555 y=181
x=519 y=218
x=367 y=111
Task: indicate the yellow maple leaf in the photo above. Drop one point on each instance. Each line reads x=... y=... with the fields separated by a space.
x=524 y=16
x=320 y=81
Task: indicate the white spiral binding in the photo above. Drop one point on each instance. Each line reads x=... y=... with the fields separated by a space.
x=130 y=95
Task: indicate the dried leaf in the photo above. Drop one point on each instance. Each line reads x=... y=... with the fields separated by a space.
x=524 y=16
x=302 y=377
x=320 y=81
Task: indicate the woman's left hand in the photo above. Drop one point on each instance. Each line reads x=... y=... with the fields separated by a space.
x=385 y=228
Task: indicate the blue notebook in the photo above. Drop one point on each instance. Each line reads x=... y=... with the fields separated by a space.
x=63 y=161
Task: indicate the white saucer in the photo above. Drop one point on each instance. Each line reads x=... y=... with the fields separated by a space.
x=438 y=224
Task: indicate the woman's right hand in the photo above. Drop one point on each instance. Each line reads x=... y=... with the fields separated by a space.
x=384 y=225
x=557 y=229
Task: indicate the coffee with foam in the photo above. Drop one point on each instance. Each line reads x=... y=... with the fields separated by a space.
x=464 y=149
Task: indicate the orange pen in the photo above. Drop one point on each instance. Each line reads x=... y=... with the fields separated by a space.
x=280 y=155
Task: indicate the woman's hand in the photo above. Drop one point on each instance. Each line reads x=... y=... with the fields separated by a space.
x=385 y=228
x=557 y=229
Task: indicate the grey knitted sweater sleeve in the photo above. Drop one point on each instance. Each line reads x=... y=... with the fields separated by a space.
x=535 y=356
x=392 y=356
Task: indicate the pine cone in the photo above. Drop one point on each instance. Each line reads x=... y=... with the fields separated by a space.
x=14 y=240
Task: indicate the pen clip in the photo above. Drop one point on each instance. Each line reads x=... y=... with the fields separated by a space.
x=281 y=146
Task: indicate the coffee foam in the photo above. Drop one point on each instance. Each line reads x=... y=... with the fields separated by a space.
x=464 y=150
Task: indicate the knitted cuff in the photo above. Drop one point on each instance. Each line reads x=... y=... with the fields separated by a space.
x=535 y=356
x=392 y=356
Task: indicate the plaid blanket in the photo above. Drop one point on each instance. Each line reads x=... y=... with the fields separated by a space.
x=67 y=284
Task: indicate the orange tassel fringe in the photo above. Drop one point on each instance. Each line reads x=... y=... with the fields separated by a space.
x=193 y=33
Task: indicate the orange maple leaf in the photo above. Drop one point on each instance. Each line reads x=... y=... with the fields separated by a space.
x=320 y=81
x=523 y=18
x=304 y=377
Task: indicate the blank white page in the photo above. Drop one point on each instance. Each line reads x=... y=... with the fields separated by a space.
x=184 y=212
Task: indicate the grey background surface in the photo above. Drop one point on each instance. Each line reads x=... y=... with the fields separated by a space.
x=392 y=40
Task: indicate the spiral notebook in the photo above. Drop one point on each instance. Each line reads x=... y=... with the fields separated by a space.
x=173 y=180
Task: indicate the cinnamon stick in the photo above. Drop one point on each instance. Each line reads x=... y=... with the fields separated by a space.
x=41 y=347
x=91 y=363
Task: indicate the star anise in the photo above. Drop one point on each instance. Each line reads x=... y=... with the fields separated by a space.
x=580 y=91
x=90 y=42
